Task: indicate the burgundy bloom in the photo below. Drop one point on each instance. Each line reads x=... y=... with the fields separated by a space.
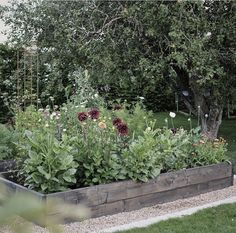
x=94 y=114
x=117 y=121
x=123 y=129
x=174 y=130
x=82 y=116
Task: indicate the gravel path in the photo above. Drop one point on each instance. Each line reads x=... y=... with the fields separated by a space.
x=97 y=224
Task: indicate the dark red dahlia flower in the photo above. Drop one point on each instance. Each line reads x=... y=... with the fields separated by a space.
x=94 y=114
x=82 y=116
x=117 y=121
x=123 y=129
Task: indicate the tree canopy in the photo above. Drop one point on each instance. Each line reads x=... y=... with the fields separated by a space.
x=145 y=48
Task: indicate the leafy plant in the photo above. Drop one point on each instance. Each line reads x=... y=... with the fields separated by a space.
x=205 y=152
x=173 y=148
x=98 y=151
x=8 y=149
x=49 y=166
x=140 y=159
x=136 y=116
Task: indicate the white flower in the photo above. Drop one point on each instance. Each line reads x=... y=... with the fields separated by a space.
x=96 y=95
x=206 y=115
x=46 y=125
x=41 y=110
x=189 y=119
x=172 y=115
x=64 y=130
x=208 y=34
x=148 y=128
x=51 y=98
x=140 y=97
x=198 y=107
x=76 y=106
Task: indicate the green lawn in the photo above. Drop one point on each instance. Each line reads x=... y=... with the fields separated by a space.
x=227 y=130
x=221 y=219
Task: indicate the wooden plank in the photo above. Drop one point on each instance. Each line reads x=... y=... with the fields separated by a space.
x=89 y=196
x=112 y=192
x=207 y=173
x=172 y=180
x=107 y=209
x=175 y=194
x=13 y=188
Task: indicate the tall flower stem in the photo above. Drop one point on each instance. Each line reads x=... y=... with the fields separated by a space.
x=172 y=122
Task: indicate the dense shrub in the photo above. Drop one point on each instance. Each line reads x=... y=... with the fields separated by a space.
x=8 y=138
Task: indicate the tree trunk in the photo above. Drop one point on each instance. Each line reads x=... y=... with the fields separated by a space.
x=211 y=124
x=209 y=114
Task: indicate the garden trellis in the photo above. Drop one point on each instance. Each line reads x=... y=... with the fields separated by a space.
x=27 y=77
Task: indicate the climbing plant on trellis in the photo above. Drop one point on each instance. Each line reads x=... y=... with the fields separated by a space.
x=27 y=77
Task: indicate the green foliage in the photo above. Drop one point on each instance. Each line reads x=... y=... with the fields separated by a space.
x=7 y=82
x=136 y=116
x=50 y=165
x=205 y=152
x=130 y=49
x=140 y=159
x=173 y=148
x=7 y=139
x=98 y=152
x=29 y=119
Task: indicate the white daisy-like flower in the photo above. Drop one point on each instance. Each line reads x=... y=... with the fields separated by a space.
x=64 y=130
x=172 y=115
x=141 y=97
x=96 y=95
x=189 y=119
x=206 y=115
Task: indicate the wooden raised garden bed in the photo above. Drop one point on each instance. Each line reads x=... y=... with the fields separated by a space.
x=128 y=195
